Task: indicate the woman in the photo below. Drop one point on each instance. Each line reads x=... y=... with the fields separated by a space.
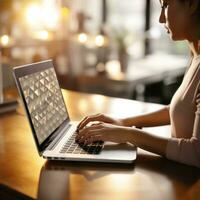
x=181 y=18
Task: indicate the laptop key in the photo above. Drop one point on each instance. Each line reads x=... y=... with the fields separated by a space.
x=83 y=152
x=98 y=150
x=71 y=146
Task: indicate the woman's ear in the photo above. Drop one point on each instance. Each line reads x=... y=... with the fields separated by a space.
x=193 y=6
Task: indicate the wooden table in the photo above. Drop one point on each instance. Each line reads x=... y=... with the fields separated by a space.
x=27 y=176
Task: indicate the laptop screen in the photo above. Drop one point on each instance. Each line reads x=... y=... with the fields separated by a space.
x=44 y=102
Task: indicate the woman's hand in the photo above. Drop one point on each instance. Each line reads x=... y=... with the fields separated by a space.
x=99 y=118
x=104 y=132
x=198 y=101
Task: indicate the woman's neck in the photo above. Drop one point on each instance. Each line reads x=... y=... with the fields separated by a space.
x=195 y=47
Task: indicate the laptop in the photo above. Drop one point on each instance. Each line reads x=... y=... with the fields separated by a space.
x=53 y=131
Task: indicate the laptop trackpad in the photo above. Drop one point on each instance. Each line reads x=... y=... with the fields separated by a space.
x=119 y=151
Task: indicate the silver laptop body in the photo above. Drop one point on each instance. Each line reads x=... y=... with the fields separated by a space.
x=52 y=129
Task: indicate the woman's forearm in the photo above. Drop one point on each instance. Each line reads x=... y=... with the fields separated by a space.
x=148 y=142
x=157 y=118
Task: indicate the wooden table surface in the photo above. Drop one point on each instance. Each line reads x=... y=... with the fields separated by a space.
x=151 y=177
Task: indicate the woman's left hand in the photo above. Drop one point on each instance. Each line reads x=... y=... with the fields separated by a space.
x=104 y=132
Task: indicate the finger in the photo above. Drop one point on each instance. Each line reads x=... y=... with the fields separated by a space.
x=97 y=124
x=198 y=100
x=89 y=134
x=90 y=128
x=198 y=96
x=82 y=122
x=92 y=139
x=92 y=118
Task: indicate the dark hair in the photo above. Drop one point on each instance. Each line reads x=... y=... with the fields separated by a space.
x=198 y=12
x=198 y=9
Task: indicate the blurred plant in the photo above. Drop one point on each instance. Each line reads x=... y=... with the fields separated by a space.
x=123 y=40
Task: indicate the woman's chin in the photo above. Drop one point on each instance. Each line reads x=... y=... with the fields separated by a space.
x=174 y=37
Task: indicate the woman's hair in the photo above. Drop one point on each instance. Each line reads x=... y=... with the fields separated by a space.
x=198 y=9
x=196 y=15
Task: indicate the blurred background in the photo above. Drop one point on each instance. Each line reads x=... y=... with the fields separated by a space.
x=111 y=47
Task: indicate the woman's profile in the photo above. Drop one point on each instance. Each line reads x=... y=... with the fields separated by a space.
x=181 y=18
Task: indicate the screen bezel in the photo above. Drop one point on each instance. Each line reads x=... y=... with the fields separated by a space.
x=31 y=69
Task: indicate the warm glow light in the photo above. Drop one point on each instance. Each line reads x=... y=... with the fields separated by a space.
x=50 y=14
x=82 y=105
x=120 y=181
x=113 y=68
x=82 y=38
x=5 y=39
x=44 y=15
x=98 y=101
x=33 y=13
x=65 y=12
x=42 y=35
x=100 y=40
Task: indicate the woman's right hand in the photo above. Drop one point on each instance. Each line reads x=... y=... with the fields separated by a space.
x=99 y=118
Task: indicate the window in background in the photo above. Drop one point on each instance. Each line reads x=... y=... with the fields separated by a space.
x=126 y=23
x=127 y=19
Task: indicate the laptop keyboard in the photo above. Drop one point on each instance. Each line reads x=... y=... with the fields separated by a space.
x=71 y=146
